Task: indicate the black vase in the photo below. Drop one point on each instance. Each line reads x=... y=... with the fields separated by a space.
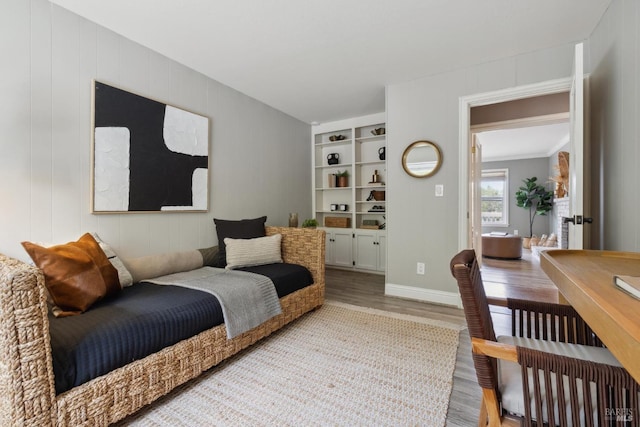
x=381 y=153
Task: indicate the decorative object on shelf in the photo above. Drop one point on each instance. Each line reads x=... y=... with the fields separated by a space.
x=337 y=222
x=332 y=180
x=310 y=223
x=371 y=224
x=381 y=153
x=343 y=207
x=421 y=159
x=342 y=179
x=135 y=141
x=376 y=208
x=378 y=195
x=293 y=220
x=333 y=207
x=534 y=197
x=375 y=178
x=378 y=131
x=333 y=158
x=336 y=138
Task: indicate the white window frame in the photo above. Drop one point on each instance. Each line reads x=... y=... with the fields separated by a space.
x=501 y=172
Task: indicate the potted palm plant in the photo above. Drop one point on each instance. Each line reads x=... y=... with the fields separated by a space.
x=537 y=199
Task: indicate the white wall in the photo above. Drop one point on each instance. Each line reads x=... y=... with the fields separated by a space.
x=259 y=156
x=422 y=227
x=614 y=48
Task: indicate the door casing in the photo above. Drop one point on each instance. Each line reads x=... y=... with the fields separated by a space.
x=464 y=142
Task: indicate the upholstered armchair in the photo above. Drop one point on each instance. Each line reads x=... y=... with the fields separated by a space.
x=552 y=370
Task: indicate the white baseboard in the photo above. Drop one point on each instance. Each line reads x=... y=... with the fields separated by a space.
x=428 y=295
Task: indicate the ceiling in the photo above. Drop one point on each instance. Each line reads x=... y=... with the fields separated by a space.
x=523 y=143
x=324 y=60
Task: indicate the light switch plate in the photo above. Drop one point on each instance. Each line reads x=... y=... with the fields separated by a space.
x=439 y=190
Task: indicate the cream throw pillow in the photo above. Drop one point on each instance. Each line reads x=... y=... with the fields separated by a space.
x=249 y=252
x=123 y=274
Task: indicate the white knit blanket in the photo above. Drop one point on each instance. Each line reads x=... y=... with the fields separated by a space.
x=247 y=299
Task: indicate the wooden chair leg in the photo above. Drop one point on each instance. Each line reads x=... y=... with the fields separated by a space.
x=490 y=401
x=482 y=419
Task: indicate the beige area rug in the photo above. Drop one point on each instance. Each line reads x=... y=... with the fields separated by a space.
x=339 y=365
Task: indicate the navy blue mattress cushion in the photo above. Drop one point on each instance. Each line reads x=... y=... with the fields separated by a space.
x=287 y=278
x=142 y=319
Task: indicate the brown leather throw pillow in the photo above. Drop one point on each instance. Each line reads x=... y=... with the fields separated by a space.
x=77 y=274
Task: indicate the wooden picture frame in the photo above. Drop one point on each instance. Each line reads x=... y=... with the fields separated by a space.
x=147 y=156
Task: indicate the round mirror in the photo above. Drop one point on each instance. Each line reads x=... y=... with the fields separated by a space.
x=421 y=159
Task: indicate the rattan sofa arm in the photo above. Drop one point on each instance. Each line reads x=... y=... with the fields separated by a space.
x=27 y=388
x=303 y=246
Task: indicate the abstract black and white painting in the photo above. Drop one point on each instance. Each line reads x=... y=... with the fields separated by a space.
x=147 y=156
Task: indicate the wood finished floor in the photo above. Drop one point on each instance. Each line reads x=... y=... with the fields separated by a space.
x=519 y=278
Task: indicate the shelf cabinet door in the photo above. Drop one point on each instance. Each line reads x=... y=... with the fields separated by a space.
x=370 y=250
x=366 y=250
x=382 y=252
x=339 y=248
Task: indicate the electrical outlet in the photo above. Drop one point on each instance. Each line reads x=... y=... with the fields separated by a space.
x=420 y=268
x=515 y=232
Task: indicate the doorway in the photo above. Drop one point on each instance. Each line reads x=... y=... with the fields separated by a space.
x=516 y=149
x=494 y=118
x=467 y=235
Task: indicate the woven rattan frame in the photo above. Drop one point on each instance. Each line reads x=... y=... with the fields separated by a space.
x=27 y=391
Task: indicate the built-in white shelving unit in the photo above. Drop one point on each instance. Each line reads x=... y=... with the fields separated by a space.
x=358 y=209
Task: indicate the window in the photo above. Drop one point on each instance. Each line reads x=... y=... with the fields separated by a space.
x=494 y=191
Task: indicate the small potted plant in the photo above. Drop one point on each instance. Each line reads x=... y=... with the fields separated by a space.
x=343 y=178
x=310 y=223
x=537 y=199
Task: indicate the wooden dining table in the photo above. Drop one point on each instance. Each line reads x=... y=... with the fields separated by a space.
x=585 y=280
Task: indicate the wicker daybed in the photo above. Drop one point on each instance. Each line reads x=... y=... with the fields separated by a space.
x=27 y=387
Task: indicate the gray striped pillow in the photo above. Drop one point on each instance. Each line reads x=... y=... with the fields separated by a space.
x=249 y=252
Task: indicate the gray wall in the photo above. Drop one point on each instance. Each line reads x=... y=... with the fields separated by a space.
x=614 y=49
x=49 y=57
x=421 y=226
x=519 y=217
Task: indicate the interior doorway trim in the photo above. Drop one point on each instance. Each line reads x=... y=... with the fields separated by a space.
x=464 y=134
